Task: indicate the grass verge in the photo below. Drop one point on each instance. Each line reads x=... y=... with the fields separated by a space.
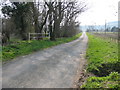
x=24 y=47
x=102 y=56
x=110 y=81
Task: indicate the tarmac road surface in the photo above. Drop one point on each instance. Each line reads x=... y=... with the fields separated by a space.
x=54 y=67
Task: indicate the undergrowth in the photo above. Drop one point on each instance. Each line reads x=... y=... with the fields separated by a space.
x=110 y=81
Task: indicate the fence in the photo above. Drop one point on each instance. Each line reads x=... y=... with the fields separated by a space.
x=38 y=35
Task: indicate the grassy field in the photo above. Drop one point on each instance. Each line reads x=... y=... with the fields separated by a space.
x=24 y=47
x=108 y=35
x=102 y=56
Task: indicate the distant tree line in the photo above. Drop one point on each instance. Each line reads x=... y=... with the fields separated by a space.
x=108 y=29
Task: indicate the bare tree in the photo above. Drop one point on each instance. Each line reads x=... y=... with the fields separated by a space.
x=59 y=16
x=71 y=13
x=63 y=11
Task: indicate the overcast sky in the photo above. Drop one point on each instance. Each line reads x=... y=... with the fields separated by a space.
x=99 y=11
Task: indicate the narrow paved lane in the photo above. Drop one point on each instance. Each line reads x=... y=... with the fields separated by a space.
x=54 y=67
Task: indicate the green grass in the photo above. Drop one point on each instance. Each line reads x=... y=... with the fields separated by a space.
x=0 y=52
x=24 y=47
x=111 y=81
x=102 y=56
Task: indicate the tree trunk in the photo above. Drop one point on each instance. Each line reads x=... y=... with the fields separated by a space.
x=23 y=33
x=35 y=17
x=58 y=33
x=52 y=36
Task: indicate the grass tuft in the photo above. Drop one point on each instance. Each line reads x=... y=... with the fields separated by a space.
x=110 y=81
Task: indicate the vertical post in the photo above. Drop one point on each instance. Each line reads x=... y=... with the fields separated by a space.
x=105 y=26
x=49 y=34
x=29 y=37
